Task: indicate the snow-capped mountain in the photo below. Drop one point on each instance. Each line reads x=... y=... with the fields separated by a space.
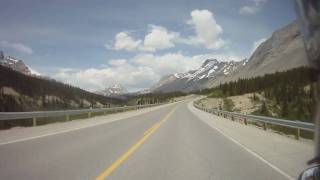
x=16 y=64
x=282 y=51
x=114 y=90
x=197 y=79
x=210 y=69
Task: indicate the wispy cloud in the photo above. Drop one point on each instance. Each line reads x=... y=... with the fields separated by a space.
x=17 y=47
x=253 y=7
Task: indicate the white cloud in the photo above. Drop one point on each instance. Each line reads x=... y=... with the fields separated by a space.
x=207 y=30
x=253 y=8
x=159 y=38
x=97 y=79
x=17 y=47
x=34 y=72
x=137 y=73
x=256 y=44
x=123 y=41
x=118 y=62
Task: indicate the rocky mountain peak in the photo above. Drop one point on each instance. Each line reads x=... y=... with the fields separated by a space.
x=14 y=64
x=113 y=90
x=209 y=62
x=284 y=50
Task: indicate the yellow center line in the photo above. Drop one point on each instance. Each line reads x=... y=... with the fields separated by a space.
x=133 y=148
x=152 y=127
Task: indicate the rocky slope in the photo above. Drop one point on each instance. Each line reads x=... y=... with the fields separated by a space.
x=282 y=51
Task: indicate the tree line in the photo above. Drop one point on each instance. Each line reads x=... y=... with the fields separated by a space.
x=37 y=93
x=289 y=94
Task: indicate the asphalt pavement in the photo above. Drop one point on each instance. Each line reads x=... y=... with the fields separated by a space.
x=166 y=143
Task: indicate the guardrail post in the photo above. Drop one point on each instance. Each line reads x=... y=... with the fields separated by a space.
x=67 y=117
x=297 y=135
x=264 y=126
x=232 y=118
x=245 y=121
x=34 y=121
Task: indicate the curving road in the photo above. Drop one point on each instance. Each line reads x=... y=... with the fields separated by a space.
x=166 y=143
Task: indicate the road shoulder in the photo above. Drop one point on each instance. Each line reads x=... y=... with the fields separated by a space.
x=287 y=154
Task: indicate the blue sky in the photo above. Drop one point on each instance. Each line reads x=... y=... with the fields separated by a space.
x=96 y=43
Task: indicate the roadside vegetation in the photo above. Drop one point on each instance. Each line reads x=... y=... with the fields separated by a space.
x=228 y=104
x=285 y=95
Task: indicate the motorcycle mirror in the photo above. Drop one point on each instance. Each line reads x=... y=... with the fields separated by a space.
x=312 y=173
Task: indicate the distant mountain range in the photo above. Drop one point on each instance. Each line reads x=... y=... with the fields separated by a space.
x=282 y=51
x=21 y=92
x=113 y=91
x=210 y=70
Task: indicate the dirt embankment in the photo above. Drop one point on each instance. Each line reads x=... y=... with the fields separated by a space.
x=246 y=103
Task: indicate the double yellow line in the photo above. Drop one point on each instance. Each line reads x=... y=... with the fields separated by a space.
x=133 y=148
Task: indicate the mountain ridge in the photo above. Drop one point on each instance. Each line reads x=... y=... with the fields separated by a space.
x=113 y=90
x=16 y=65
x=284 y=50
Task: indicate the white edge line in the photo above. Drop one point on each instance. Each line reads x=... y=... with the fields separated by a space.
x=70 y=130
x=255 y=154
x=252 y=152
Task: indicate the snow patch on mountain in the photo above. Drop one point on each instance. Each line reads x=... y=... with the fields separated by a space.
x=284 y=50
x=114 y=90
x=17 y=65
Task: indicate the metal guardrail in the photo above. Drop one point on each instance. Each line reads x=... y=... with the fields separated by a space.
x=5 y=116
x=298 y=125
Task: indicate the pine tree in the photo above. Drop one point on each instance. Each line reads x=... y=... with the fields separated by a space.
x=264 y=109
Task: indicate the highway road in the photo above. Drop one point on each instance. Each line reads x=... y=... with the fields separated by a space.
x=167 y=143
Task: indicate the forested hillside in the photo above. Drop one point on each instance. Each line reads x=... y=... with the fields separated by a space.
x=286 y=94
x=19 y=92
